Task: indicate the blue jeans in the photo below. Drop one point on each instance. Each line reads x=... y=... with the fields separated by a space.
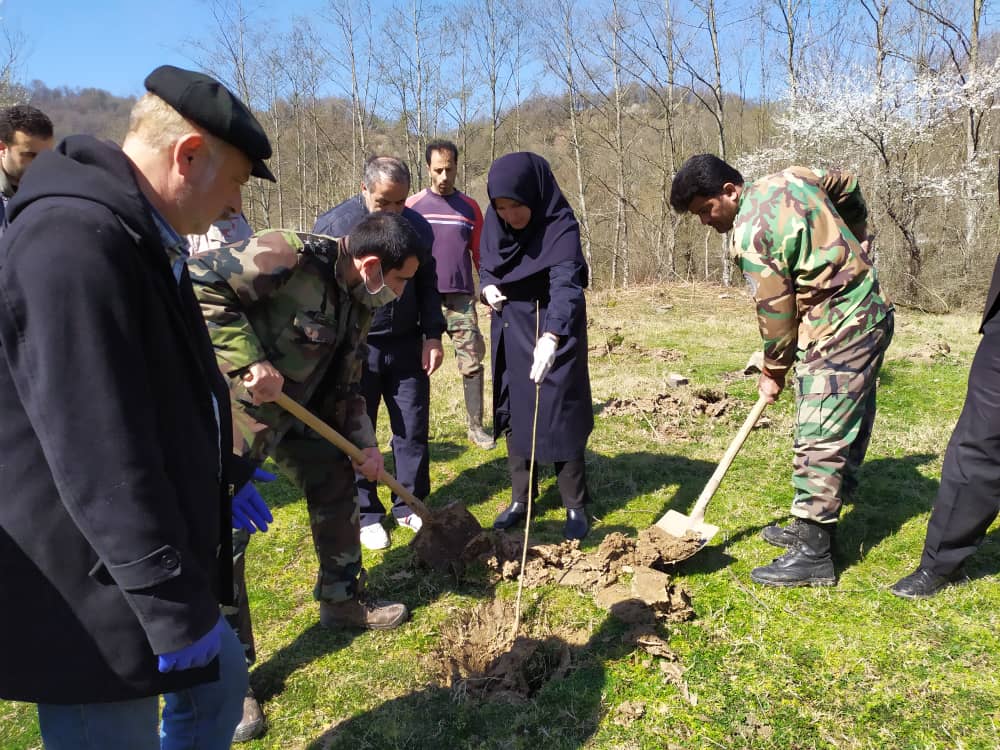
x=203 y=717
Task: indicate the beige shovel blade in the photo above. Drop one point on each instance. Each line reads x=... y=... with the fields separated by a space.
x=677 y=524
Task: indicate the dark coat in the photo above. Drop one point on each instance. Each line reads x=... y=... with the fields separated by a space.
x=115 y=521
x=565 y=410
x=401 y=324
x=538 y=268
x=992 y=296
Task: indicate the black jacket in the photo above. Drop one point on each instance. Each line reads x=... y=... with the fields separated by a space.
x=418 y=311
x=115 y=512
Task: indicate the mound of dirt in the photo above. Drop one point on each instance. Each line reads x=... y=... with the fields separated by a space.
x=600 y=571
x=656 y=547
x=701 y=401
x=441 y=542
x=614 y=342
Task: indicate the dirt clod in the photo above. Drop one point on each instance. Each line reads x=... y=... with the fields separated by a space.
x=656 y=547
x=440 y=544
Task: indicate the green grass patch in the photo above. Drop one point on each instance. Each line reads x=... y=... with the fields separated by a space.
x=847 y=667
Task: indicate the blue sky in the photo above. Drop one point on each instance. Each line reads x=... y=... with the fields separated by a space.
x=109 y=44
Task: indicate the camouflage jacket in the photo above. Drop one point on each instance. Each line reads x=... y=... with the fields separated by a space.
x=281 y=296
x=794 y=238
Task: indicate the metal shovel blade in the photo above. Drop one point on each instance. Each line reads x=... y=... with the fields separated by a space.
x=677 y=524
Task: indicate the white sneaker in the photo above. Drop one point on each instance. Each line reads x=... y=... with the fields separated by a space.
x=411 y=521
x=374 y=536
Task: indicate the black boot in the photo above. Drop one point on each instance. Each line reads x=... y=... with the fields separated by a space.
x=808 y=563
x=784 y=536
x=577 y=525
x=473 y=386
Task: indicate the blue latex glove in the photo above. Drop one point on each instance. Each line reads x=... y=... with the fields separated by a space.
x=198 y=654
x=250 y=512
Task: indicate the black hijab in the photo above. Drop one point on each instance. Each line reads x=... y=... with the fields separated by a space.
x=552 y=236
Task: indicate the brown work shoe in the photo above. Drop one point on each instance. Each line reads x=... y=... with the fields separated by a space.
x=252 y=724
x=361 y=612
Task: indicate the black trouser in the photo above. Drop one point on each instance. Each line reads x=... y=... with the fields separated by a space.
x=571 y=477
x=969 y=496
x=393 y=373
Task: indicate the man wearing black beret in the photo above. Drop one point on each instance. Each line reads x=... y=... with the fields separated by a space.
x=118 y=472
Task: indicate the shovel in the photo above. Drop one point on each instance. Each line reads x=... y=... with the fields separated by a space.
x=443 y=536
x=677 y=524
x=301 y=413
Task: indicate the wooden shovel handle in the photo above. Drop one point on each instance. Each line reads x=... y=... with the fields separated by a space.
x=356 y=454
x=698 y=512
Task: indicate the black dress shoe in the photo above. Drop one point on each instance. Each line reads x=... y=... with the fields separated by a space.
x=921 y=584
x=513 y=515
x=576 y=523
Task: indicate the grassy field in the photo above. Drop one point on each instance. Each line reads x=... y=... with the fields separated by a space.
x=844 y=667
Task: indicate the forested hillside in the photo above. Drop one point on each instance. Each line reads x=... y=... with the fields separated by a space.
x=616 y=94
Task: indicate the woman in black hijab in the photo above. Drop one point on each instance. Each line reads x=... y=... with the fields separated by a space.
x=533 y=275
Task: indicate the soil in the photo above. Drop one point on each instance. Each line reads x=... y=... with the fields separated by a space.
x=611 y=341
x=476 y=658
x=667 y=414
x=475 y=654
x=441 y=541
x=566 y=565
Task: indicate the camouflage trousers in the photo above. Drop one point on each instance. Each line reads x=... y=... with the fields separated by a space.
x=326 y=478
x=835 y=412
x=463 y=327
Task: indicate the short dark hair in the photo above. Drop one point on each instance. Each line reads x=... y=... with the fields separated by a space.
x=440 y=145
x=702 y=175
x=386 y=235
x=25 y=118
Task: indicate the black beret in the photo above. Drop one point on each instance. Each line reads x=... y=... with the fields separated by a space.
x=206 y=102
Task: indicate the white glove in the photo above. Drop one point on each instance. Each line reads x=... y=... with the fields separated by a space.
x=493 y=296
x=545 y=355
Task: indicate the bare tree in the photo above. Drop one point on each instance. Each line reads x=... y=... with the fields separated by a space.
x=706 y=87
x=238 y=54
x=497 y=59
x=12 y=49
x=962 y=56
x=461 y=106
x=354 y=58
x=560 y=56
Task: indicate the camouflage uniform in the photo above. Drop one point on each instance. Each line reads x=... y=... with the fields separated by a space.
x=463 y=328
x=281 y=297
x=819 y=308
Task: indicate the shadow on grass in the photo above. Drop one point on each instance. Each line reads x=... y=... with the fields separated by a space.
x=985 y=561
x=890 y=492
x=268 y=678
x=613 y=481
x=557 y=714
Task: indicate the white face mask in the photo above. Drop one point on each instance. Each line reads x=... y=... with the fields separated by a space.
x=380 y=297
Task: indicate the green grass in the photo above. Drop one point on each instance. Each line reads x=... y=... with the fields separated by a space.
x=847 y=667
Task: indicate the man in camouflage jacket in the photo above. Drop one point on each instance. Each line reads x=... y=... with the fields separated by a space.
x=290 y=311
x=800 y=238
